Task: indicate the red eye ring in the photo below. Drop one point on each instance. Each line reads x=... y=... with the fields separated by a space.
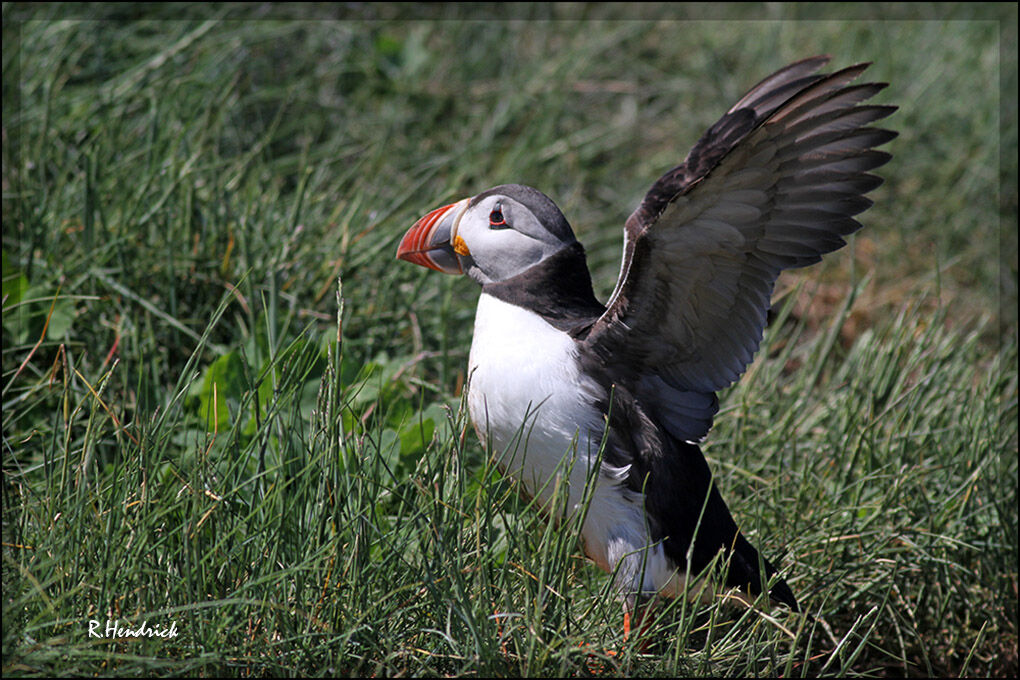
x=496 y=219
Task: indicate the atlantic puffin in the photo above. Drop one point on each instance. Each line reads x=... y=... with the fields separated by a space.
x=566 y=389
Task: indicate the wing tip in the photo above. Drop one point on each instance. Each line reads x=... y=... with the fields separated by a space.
x=820 y=59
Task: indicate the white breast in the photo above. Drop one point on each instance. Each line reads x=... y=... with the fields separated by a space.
x=528 y=397
x=535 y=408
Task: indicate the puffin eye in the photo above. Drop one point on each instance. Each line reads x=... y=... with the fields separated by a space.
x=496 y=219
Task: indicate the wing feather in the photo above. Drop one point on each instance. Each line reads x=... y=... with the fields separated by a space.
x=774 y=184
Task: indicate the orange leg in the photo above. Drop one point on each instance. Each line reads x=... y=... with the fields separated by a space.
x=639 y=624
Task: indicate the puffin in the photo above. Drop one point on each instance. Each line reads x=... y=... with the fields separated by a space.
x=613 y=400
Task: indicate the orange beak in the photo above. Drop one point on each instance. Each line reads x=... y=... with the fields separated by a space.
x=430 y=242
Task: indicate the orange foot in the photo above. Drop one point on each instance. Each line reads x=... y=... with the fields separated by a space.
x=597 y=666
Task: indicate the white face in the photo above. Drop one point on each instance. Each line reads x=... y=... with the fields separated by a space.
x=503 y=238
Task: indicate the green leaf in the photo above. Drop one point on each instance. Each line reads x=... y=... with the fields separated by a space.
x=389 y=449
x=415 y=437
x=61 y=319
x=224 y=379
x=15 y=284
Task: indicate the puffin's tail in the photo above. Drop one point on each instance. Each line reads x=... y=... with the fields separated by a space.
x=745 y=568
x=745 y=573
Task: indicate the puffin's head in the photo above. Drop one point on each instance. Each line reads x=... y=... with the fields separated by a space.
x=491 y=237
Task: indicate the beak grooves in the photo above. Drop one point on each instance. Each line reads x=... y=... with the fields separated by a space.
x=427 y=243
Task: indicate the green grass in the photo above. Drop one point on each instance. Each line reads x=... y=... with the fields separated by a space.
x=200 y=425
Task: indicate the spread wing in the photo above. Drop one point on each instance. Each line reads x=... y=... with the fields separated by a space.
x=774 y=184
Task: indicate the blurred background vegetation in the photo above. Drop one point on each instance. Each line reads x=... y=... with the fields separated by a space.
x=183 y=186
